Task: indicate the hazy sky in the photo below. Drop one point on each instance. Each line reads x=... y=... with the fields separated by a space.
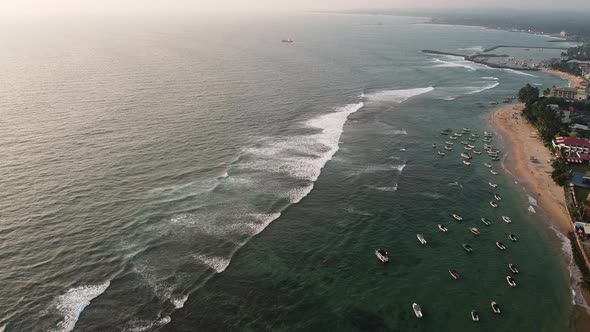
x=18 y=7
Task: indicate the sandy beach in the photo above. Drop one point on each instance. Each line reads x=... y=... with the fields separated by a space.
x=529 y=160
x=575 y=81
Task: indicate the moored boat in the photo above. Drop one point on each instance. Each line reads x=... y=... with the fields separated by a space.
x=467 y=148
x=495 y=307
x=443 y=228
x=448 y=143
x=467 y=247
x=448 y=148
x=457 y=217
x=382 y=255
x=474 y=316
x=477 y=152
x=433 y=145
x=417 y=310
x=474 y=231
x=440 y=153
x=466 y=162
x=488 y=165
x=493 y=204
x=465 y=155
x=512 y=237
x=486 y=222
x=493 y=172
x=511 y=282
x=497 y=197
x=513 y=268
x=500 y=245
x=493 y=185
x=454 y=274
x=506 y=219
x=421 y=238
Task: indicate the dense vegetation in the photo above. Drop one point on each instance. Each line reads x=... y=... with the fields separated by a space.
x=547 y=122
x=581 y=52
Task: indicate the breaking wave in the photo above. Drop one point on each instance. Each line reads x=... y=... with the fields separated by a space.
x=518 y=72
x=531 y=209
x=71 y=304
x=456 y=64
x=178 y=301
x=387 y=189
x=490 y=78
x=397 y=96
x=532 y=201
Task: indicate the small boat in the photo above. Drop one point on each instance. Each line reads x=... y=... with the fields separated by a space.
x=466 y=130
x=496 y=159
x=497 y=197
x=511 y=281
x=458 y=134
x=506 y=219
x=471 y=146
x=487 y=140
x=513 y=268
x=448 y=130
x=485 y=221
x=474 y=135
x=471 y=139
x=443 y=228
x=448 y=143
x=500 y=245
x=474 y=231
x=477 y=152
x=466 y=162
x=440 y=153
x=464 y=142
x=467 y=247
x=488 y=165
x=453 y=137
x=474 y=316
x=493 y=172
x=417 y=310
x=421 y=238
x=443 y=133
x=454 y=274
x=467 y=148
x=493 y=103
x=512 y=237
x=487 y=133
x=457 y=217
x=448 y=148
x=493 y=204
x=382 y=255
x=493 y=185
x=433 y=145
x=495 y=307
x=466 y=155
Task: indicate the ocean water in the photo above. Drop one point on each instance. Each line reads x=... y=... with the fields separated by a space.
x=185 y=173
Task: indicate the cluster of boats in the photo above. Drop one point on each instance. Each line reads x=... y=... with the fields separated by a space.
x=467 y=155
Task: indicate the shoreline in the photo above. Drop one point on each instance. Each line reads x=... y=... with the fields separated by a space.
x=575 y=81
x=523 y=144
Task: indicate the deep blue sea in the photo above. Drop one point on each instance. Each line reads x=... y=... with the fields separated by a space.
x=189 y=173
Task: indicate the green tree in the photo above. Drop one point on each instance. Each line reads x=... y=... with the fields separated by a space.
x=528 y=94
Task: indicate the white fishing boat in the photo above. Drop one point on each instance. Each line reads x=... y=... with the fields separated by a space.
x=467 y=148
x=511 y=281
x=493 y=172
x=433 y=145
x=466 y=155
x=457 y=217
x=443 y=228
x=500 y=245
x=440 y=153
x=474 y=316
x=417 y=310
x=513 y=268
x=467 y=247
x=495 y=307
x=497 y=197
x=448 y=143
x=421 y=238
x=485 y=221
x=512 y=237
x=448 y=148
x=493 y=185
x=477 y=152
x=488 y=165
x=382 y=255
x=493 y=204
x=466 y=162
x=506 y=219
x=474 y=231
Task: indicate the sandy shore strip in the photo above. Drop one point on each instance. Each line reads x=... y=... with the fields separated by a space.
x=530 y=161
x=575 y=81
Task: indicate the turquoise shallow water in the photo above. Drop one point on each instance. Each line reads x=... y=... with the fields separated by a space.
x=184 y=174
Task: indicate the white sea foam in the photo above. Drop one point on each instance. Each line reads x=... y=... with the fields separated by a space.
x=388 y=189
x=400 y=168
x=538 y=84
x=453 y=64
x=490 y=78
x=397 y=96
x=141 y=326
x=518 y=72
x=217 y=263
x=397 y=132
x=178 y=300
x=575 y=274
x=352 y=210
x=532 y=201
x=2 y=328
x=478 y=90
x=532 y=209
x=73 y=302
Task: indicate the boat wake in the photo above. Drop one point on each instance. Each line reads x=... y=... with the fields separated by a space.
x=71 y=304
x=386 y=189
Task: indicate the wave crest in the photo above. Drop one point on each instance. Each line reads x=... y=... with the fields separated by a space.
x=397 y=96
x=73 y=302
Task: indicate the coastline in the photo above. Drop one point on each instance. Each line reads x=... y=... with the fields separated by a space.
x=574 y=80
x=523 y=144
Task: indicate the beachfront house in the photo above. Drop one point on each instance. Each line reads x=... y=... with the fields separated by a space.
x=565 y=114
x=577 y=150
x=571 y=94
